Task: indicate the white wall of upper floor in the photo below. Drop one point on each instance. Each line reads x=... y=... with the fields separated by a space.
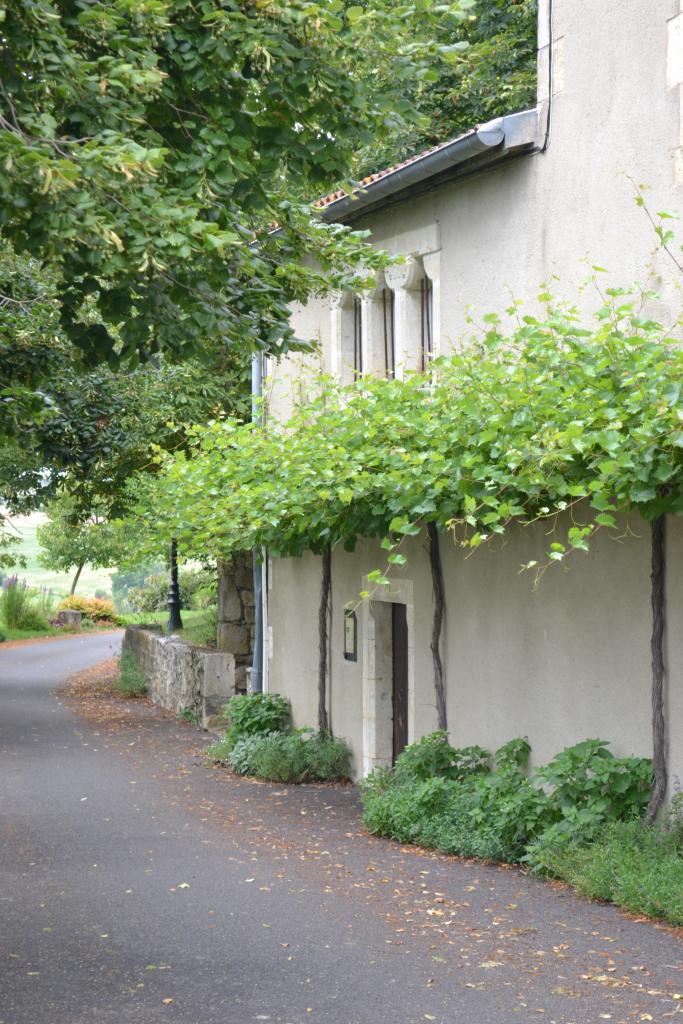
x=616 y=118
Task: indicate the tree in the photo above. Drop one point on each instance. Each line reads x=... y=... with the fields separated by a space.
x=146 y=147
x=495 y=75
x=70 y=542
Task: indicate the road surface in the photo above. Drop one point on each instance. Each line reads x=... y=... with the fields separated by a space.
x=139 y=885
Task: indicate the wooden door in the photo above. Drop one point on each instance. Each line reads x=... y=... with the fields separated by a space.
x=399 y=652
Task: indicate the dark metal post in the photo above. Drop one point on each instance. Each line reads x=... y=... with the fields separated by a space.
x=173 y=603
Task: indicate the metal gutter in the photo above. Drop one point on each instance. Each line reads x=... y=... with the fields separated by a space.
x=485 y=144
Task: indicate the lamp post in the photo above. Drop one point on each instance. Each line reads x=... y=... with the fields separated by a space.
x=173 y=603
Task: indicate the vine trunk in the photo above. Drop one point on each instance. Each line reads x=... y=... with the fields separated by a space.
x=658 y=598
x=439 y=607
x=323 y=617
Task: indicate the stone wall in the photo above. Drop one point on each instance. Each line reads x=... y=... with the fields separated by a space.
x=179 y=676
x=236 y=613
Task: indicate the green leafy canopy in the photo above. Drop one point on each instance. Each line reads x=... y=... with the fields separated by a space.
x=146 y=146
x=545 y=419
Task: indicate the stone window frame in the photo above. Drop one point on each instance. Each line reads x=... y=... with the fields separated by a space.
x=348 y=355
x=376 y=684
x=416 y=285
x=392 y=328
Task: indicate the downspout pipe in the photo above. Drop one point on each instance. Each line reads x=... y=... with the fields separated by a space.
x=256 y=685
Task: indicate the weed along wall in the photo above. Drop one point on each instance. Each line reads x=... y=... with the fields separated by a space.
x=179 y=676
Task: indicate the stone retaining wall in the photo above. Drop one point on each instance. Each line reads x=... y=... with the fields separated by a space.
x=180 y=676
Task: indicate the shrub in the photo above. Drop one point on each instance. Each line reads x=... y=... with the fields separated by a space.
x=327 y=759
x=131 y=681
x=626 y=863
x=588 y=777
x=241 y=756
x=19 y=608
x=96 y=609
x=449 y=799
x=255 y=713
x=487 y=814
x=197 y=590
x=297 y=757
x=433 y=756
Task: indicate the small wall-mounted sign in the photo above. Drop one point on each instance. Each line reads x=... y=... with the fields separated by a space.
x=350 y=635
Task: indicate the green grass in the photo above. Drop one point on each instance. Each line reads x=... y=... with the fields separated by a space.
x=199 y=627
x=27 y=634
x=24 y=528
x=32 y=634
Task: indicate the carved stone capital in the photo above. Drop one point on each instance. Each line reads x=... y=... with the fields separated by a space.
x=403 y=275
x=432 y=265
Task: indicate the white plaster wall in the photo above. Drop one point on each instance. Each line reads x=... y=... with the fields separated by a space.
x=293 y=600
x=571 y=659
x=559 y=662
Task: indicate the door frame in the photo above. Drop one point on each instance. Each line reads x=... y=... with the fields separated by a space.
x=377 y=674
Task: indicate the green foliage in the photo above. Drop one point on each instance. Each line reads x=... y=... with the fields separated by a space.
x=97 y=609
x=200 y=628
x=493 y=73
x=146 y=144
x=293 y=757
x=254 y=714
x=588 y=777
x=124 y=580
x=68 y=540
x=598 y=433
x=131 y=681
x=20 y=607
x=240 y=757
x=626 y=863
x=501 y=814
x=433 y=756
x=220 y=750
x=196 y=587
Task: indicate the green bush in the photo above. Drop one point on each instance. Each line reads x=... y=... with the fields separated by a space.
x=298 y=757
x=433 y=756
x=252 y=714
x=626 y=863
x=19 y=608
x=241 y=756
x=197 y=590
x=450 y=799
x=487 y=814
x=97 y=609
x=588 y=777
x=131 y=681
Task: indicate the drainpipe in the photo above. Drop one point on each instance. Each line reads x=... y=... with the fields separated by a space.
x=257 y=661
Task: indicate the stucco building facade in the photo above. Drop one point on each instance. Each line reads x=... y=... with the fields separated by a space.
x=524 y=200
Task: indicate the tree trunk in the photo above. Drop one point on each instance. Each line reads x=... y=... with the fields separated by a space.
x=658 y=598
x=438 y=592
x=74 y=582
x=323 y=720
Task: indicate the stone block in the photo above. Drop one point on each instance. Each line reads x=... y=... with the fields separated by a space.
x=69 y=618
x=241 y=678
x=233 y=637
x=229 y=602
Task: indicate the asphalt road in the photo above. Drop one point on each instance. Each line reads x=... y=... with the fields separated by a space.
x=137 y=884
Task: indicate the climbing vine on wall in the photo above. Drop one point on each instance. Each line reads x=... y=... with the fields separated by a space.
x=552 y=419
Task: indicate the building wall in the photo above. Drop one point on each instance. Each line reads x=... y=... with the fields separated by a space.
x=569 y=659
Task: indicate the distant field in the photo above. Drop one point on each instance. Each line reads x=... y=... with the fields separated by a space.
x=27 y=545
